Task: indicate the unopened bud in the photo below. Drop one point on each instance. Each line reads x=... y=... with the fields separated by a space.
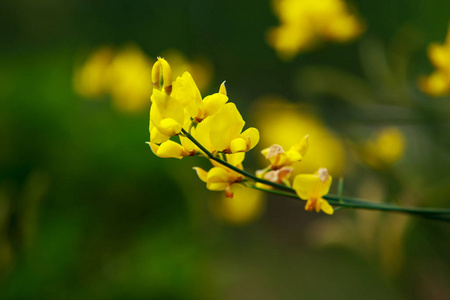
x=162 y=72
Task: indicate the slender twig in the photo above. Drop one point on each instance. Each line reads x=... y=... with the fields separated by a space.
x=336 y=200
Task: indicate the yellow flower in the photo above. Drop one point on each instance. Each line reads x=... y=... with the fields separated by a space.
x=90 y=79
x=225 y=132
x=278 y=158
x=438 y=83
x=305 y=23
x=221 y=178
x=312 y=187
x=384 y=148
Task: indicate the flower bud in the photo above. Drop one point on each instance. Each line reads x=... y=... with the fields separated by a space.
x=162 y=66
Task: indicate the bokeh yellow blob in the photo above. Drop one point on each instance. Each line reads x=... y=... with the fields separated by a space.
x=385 y=148
x=246 y=206
x=130 y=79
x=286 y=124
x=438 y=83
x=305 y=23
x=90 y=79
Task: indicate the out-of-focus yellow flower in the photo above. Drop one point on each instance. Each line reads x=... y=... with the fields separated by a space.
x=290 y=124
x=244 y=207
x=129 y=80
x=384 y=148
x=438 y=83
x=312 y=187
x=304 y=23
x=221 y=178
x=90 y=80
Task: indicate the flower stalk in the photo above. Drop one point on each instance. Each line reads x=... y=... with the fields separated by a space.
x=335 y=200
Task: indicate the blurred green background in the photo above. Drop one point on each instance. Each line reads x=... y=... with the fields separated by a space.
x=88 y=212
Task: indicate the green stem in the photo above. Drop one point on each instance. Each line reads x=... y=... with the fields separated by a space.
x=336 y=200
x=347 y=202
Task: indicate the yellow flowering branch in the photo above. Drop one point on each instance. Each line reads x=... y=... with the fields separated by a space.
x=336 y=200
x=213 y=127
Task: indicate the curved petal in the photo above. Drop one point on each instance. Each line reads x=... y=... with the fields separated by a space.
x=156 y=136
x=226 y=125
x=168 y=126
x=305 y=185
x=171 y=149
x=212 y=103
x=217 y=174
x=327 y=208
x=168 y=106
x=202 y=174
x=220 y=186
x=223 y=89
x=186 y=92
x=251 y=136
x=236 y=158
x=238 y=145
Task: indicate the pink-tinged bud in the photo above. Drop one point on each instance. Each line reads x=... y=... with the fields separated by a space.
x=323 y=174
x=273 y=151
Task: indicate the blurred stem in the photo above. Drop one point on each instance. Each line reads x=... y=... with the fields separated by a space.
x=336 y=200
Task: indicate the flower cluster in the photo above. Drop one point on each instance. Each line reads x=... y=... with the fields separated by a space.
x=182 y=123
x=438 y=83
x=310 y=187
x=304 y=23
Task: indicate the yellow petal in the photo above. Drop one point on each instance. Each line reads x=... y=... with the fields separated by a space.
x=217 y=175
x=162 y=65
x=154 y=147
x=226 y=125
x=236 y=158
x=168 y=127
x=309 y=186
x=202 y=134
x=292 y=156
x=304 y=185
x=212 y=103
x=156 y=136
x=272 y=151
x=186 y=92
x=217 y=186
x=304 y=144
x=168 y=106
x=171 y=149
x=202 y=174
x=238 y=145
x=327 y=208
x=223 y=89
x=251 y=136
